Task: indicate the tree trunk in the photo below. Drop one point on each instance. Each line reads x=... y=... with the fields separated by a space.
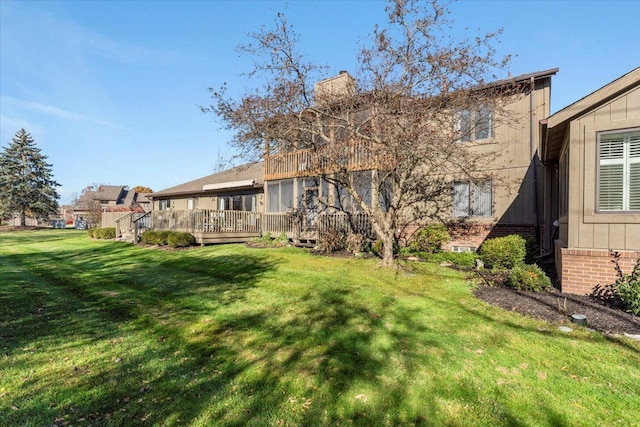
x=387 y=251
x=23 y=218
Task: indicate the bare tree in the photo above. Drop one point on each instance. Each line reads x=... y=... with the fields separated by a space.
x=390 y=137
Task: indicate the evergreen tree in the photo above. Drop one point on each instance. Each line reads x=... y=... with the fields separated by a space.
x=26 y=183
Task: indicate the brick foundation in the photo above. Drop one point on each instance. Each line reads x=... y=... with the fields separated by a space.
x=472 y=235
x=580 y=270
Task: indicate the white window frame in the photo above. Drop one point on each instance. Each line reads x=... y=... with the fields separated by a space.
x=192 y=203
x=164 y=204
x=626 y=156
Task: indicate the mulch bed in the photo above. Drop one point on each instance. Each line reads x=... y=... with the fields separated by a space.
x=550 y=306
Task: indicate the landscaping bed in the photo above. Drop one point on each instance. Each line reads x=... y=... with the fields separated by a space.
x=550 y=306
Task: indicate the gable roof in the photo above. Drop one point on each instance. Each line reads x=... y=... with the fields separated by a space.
x=244 y=176
x=109 y=192
x=555 y=126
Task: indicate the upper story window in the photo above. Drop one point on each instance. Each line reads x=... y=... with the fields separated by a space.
x=472 y=199
x=476 y=124
x=619 y=171
x=191 y=203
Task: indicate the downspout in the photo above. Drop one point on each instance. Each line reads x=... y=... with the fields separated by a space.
x=532 y=117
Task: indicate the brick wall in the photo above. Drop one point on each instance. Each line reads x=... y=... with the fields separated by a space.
x=580 y=270
x=474 y=234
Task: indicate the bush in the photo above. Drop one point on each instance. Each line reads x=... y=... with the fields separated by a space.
x=503 y=253
x=151 y=237
x=179 y=239
x=459 y=259
x=108 y=233
x=628 y=286
x=331 y=241
x=429 y=239
x=527 y=277
x=162 y=237
x=356 y=243
x=148 y=237
x=102 y=233
x=268 y=241
x=282 y=240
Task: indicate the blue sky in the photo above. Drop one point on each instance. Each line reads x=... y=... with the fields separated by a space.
x=110 y=90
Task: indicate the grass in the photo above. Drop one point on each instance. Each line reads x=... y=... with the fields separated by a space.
x=104 y=333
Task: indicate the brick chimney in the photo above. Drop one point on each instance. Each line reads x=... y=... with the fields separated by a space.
x=334 y=88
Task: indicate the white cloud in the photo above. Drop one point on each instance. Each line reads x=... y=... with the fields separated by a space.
x=10 y=126
x=52 y=110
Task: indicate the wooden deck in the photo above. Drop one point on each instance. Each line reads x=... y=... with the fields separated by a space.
x=214 y=226
x=210 y=226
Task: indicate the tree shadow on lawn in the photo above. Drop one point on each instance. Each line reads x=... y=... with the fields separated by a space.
x=319 y=359
x=84 y=295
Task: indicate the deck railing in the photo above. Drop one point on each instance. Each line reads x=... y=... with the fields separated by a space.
x=358 y=223
x=306 y=162
x=295 y=226
x=276 y=223
x=207 y=221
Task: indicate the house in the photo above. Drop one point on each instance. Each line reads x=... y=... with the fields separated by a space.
x=510 y=203
x=92 y=204
x=591 y=153
x=218 y=208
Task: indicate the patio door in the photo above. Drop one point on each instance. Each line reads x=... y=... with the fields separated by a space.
x=311 y=207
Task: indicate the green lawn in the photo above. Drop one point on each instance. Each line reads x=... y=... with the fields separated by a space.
x=104 y=333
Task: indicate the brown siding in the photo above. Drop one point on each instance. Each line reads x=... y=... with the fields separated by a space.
x=586 y=228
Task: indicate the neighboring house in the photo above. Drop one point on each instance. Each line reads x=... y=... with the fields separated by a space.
x=106 y=198
x=591 y=150
x=490 y=208
x=223 y=207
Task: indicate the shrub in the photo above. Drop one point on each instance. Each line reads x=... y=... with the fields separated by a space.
x=331 y=241
x=102 y=233
x=429 y=239
x=179 y=239
x=628 y=286
x=459 y=259
x=148 y=237
x=282 y=240
x=527 y=277
x=161 y=237
x=108 y=233
x=356 y=243
x=503 y=253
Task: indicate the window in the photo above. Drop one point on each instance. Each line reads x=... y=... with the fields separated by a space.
x=164 y=204
x=280 y=195
x=619 y=171
x=191 y=203
x=237 y=203
x=472 y=199
x=476 y=124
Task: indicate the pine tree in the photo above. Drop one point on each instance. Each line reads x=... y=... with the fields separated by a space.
x=26 y=183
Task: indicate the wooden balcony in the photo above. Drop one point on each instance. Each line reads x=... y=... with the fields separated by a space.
x=325 y=160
